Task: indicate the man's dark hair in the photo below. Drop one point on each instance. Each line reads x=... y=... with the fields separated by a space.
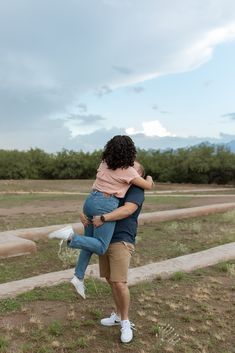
x=119 y=152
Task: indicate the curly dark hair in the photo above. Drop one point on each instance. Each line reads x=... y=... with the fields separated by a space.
x=119 y=152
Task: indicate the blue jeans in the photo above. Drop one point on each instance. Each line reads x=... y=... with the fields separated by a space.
x=95 y=240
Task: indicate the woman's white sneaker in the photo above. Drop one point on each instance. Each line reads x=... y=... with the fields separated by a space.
x=79 y=286
x=63 y=233
x=126 y=331
x=113 y=320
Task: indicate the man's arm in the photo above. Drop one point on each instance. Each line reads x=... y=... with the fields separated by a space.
x=120 y=213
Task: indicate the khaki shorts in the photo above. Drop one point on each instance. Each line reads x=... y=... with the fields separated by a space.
x=115 y=262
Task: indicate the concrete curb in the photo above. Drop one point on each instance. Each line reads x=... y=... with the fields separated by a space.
x=186 y=263
x=37 y=233
x=183 y=213
x=14 y=288
x=14 y=246
x=163 y=269
x=21 y=241
x=42 y=232
x=158 y=216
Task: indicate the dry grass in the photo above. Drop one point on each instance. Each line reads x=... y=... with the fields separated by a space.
x=189 y=313
x=192 y=315
x=155 y=242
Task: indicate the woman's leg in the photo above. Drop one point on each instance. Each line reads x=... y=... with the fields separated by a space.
x=82 y=263
x=104 y=233
x=95 y=240
x=98 y=243
x=84 y=256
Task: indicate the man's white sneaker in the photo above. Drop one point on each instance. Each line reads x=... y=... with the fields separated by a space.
x=114 y=319
x=126 y=331
x=79 y=286
x=63 y=233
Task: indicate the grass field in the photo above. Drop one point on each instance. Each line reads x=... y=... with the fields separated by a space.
x=38 y=210
x=155 y=242
x=42 y=210
x=199 y=306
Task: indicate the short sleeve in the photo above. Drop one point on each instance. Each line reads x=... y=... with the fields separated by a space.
x=129 y=174
x=135 y=195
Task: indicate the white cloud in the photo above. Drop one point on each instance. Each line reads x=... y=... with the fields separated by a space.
x=150 y=129
x=202 y=50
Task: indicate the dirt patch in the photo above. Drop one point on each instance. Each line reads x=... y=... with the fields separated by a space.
x=46 y=185
x=60 y=207
x=38 y=312
x=203 y=320
x=46 y=207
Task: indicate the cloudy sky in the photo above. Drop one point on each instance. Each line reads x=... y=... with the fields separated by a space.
x=73 y=73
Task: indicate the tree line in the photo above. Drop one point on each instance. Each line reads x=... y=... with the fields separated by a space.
x=199 y=164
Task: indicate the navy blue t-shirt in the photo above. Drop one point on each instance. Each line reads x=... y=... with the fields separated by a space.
x=125 y=229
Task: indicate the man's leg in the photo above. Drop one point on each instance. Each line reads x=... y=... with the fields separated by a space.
x=119 y=255
x=115 y=298
x=121 y=297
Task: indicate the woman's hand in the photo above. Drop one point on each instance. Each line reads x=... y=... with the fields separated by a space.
x=97 y=221
x=85 y=221
x=146 y=184
x=150 y=180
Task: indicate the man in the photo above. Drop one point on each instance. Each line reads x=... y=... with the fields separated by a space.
x=113 y=185
x=115 y=262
